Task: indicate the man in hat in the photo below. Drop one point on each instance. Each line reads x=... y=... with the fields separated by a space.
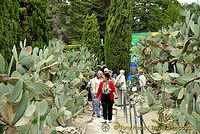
x=105 y=71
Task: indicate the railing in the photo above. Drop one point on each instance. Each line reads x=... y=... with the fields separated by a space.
x=132 y=104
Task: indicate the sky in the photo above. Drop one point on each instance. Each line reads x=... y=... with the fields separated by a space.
x=188 y=1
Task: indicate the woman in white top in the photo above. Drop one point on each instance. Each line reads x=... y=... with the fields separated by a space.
x=142 y=79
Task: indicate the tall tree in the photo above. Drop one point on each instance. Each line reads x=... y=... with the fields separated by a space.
x=69 y=19
x=35 y=27
x=10 y=30
x=22 y=20
x=91 y=36
x=77 y=12
x=100 y=8
x=152 y=15
x=57 y=10
x=118 y=36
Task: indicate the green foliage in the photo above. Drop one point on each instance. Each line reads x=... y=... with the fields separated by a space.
x=171 y=62
x=143 y=110
x=151 y=15
x=10 y=31
x=58 y=19
x=100 y=9
x=118 y=36
x=67 y=19
x=91 y=36
x=15 y=92
x=22 y=20
x=76 y=13
x=72 y=48
x=2 y=64
x=21 y=107
x=30 y=110
x=33 y=17
x=38 y=88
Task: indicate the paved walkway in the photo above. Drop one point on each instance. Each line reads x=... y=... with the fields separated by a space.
x=120 y=125
x=96 y=127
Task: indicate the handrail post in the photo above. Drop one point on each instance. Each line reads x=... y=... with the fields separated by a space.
x=135 y=116
x=130 y=116
x=141 y=124
x=121 y=98
x=125 y=107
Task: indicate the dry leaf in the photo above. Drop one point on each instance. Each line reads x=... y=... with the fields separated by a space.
x=166 y=91
x=49 y=83
x=11 y=131
x=3 y=78
x=53 y=70
x=14 y=106
x=28 y=50
x=23 y=121
x=13 y=81
x=81 y=76
x=166 y=77
x=49 y=67
x=61 y=120
x=6 y=110
x=72 y=68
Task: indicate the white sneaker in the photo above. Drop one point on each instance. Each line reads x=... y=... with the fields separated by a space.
x=93 y=115
x=103 y=121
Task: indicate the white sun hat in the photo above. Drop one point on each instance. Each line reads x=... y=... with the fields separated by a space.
x=106 y=70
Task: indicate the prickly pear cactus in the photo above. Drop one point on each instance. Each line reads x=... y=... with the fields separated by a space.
x=171 y=61
x=44 y=88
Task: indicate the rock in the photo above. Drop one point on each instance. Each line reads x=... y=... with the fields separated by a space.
x=67 y=130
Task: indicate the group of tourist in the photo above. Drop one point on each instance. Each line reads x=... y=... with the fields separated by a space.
x=104 y=87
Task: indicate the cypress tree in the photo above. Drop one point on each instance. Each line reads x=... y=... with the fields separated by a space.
x=69 y=18
x=58 y=19
x=152 y=15
x=91 y=36
x=78 y=10
x=35 y=27
x=118 y=36
x=22 y=20
x=10 y=31
x=100 y=8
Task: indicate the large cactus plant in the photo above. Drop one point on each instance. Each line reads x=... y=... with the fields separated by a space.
x=172 y=60
x=44 y=88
